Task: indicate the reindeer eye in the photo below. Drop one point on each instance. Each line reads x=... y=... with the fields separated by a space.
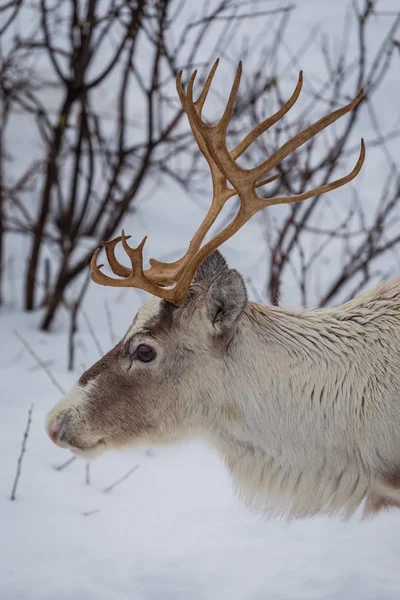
x=145 y=353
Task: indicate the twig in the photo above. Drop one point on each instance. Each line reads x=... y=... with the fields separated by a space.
x=254 y=290
x=65 y=464
x=93 y=333
x=88 y=513
x=39 y=361
x=108 y=489
x=74 y=307
x=23 y=450
x=71 y=337
x=109 y=322
x=87 y=473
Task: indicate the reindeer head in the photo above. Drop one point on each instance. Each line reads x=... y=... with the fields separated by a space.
x=169 y=375
x=158 y=382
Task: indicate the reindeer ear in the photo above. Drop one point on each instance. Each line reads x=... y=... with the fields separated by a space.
x=211 y=267
x=226 y=299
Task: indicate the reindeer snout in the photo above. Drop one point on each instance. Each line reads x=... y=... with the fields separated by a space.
x=55 y=429
x=68 y=426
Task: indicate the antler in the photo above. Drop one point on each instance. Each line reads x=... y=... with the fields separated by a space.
x=211 y=140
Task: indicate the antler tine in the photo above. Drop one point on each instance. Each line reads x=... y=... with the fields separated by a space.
x=115 y=265
x=99 y=277
x=204 y=92
x=216 y=175
x=269 y=121
x=302 y=137
x=226 y=117
x=189 y=89
x=135 y=254
x=94 y=266
x=222 y=126
x=268 y=180
x=322 y=189
x=135 y=276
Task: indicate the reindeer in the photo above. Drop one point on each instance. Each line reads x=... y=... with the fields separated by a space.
x=303 y=406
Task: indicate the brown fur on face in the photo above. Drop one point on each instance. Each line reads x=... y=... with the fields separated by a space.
x=102 y=365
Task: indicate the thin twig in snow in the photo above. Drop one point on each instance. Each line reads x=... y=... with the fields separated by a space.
x=109 y=322
x=93 y=333
x=88 y=513
x=120 y=480
x=40 y=362
x=74 y=307
x=23 y=450
x=87 y=473
x=65 y=464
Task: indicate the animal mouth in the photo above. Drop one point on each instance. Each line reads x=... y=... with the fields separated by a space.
x=88 y=451
x=100 y=442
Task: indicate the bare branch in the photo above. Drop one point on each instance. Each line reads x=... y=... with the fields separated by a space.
x=39 y=361
x=109 y=488
x=65 y=464
x=21 y=455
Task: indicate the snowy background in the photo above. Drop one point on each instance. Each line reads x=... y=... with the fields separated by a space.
x=173 y=529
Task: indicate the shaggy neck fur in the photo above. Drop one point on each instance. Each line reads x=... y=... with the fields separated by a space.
x=313 y=423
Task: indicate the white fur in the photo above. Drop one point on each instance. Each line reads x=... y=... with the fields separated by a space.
x=75 y=398
x=148 y=311
x=318 y=394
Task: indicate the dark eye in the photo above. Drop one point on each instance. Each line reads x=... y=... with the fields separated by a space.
x=145 y=353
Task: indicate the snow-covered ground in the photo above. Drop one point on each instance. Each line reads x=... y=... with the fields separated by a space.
x=173 y=529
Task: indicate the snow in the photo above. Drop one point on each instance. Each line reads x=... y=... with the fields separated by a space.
x=173 y=529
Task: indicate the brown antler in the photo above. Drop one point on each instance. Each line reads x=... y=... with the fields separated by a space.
x=211 y=140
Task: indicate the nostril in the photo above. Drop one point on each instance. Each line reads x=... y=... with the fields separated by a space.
x=54 y=430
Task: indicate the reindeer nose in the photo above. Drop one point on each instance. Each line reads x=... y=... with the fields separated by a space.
x=54 y=429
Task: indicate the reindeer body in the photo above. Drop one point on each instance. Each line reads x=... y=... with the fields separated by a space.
x=317 y=406
x=303 y=406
